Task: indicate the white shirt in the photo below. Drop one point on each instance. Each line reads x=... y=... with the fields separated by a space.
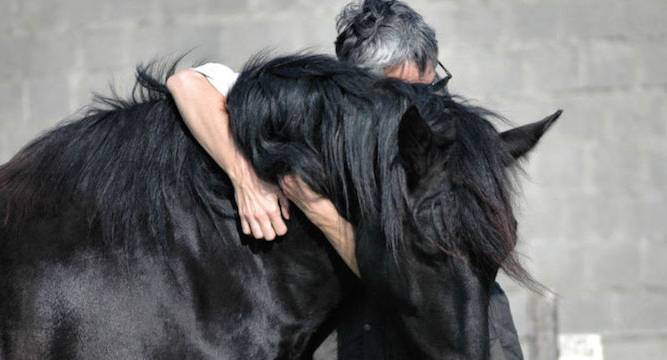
x=220 y=76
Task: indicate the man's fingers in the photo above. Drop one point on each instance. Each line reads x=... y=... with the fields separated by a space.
x=284 y=184
x=290 y=183
x=284 y=205
x=267 y=228
x=256 y=229
x=293 y=187
x=278 y=224
x=245 y=227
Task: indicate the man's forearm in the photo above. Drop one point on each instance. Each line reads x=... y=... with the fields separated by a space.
x=323 y=214
x=203 y=110
x=340 y=234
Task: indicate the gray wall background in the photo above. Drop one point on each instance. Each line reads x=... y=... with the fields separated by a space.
x=593 y=215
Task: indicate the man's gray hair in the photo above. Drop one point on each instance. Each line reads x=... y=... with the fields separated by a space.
x=377 y=34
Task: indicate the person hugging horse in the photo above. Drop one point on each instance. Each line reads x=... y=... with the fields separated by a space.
x=388 y=38
x=120 y=235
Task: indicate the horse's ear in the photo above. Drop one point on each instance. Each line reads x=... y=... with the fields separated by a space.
x=519 y=141
x=414 y=139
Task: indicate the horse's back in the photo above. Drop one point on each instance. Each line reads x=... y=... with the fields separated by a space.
x=151 y=263
x=68 y=294
x=62 y=300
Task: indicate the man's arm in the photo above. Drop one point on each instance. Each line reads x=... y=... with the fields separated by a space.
x=323 y=214
x=337 y=230
x=203 y=110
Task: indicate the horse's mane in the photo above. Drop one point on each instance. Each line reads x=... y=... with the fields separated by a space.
x=337 y=126
x=128 y=162
x=477 y=202
x=330 y=122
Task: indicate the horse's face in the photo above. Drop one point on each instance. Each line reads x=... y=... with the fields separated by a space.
x=458 y=229
x=459 y=185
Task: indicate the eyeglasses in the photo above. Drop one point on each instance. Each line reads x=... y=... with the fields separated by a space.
x=442 y=77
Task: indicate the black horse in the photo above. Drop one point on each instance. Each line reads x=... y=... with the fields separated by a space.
x=119 y=237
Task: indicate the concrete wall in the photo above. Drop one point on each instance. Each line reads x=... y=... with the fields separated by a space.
x=593 y=216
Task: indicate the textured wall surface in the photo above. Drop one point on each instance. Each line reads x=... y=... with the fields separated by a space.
x=594 y=210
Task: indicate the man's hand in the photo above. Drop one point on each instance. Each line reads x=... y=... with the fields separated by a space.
x=323 y=214
x=319 y=210
x=260 y=205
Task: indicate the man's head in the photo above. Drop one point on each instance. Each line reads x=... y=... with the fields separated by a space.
x=389 y=38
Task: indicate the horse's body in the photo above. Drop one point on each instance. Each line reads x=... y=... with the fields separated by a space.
x=65 y=296
x=194 y=288
x=120 y=238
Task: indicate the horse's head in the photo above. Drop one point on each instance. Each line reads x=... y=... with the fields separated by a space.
x=425 y=179
x=459 y=181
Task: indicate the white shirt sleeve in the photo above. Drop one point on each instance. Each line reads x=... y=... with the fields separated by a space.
x=220 y=76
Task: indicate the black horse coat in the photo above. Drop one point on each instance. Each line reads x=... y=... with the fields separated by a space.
x=119 y=236
x=195 y=289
